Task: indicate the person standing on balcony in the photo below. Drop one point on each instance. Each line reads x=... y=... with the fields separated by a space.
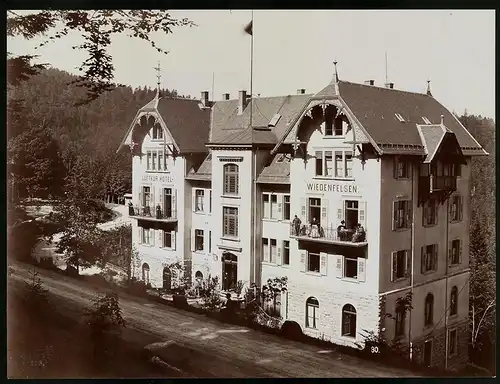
x=130 y=209
x=296 y=225
x=158 y=211
x=359 y=235
x=341 y=230
x=314 y=228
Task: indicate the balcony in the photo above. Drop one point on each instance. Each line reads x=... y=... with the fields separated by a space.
x=152 y=213
x=347 y=237
x=440 y=186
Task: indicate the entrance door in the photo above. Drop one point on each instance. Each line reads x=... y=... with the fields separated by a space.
x=167 y=204
x=428 y=353
x=167 y=279
x=229 y=270
x=314 y=210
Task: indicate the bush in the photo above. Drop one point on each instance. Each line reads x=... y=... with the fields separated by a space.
x=136 y=287
x=106 y=315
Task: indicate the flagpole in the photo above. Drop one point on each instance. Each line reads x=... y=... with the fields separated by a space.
x=251 y=78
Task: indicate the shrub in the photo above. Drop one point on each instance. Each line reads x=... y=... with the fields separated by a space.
x=106 y=315
x=210 y=294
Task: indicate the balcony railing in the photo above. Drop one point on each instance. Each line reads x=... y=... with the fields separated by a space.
x=443 y=183
x=152 y=213
x=318 y=233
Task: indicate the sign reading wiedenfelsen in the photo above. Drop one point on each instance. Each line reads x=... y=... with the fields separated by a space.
x=331 y=187
x=161 y=179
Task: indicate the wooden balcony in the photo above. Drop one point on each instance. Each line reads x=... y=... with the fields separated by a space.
x=439 y=186
x=152 y=213
x=327 y=235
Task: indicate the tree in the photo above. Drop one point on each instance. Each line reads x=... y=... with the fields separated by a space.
x=97 y=28
x=39 y=168
x=116 y=246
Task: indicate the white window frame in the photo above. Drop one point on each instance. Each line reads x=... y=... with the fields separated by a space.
x=309 y=263
x=312 y=313
x=157 y=129
x=228 y=175
x=273 y=251
x=231 y=213
x=455 y=351
x=433 y=258
x=405 y=254
x=455 y=256
x=164 y=235
x=199 y=234
x=265 y=250
x=333 y=168
x=286 y=203
x=145 y=237
x=458 y=210
x=199 y=199
x=286 y=252
x=344 y=272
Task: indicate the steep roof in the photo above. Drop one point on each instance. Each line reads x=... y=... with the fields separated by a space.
x=204 y=172
x=230 y=128
x=188 y=124
x=376 y=109
x=277 y=172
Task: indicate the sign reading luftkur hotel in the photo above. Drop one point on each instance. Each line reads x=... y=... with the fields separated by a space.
x=161 y=179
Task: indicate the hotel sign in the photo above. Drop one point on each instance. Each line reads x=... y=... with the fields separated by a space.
x=161 y=179
x=332 y=187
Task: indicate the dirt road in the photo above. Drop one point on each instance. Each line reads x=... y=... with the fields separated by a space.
x=202 y=347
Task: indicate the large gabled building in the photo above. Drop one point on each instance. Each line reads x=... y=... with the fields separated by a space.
x=358 y=194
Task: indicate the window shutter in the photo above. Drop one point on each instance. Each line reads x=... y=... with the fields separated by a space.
x=461 y=208
x=450 y=209
x=205 y=200
x=174 y=203
x=394 y=263
x=173 y=240
x=339 y=266
x=209 y=241
x=303 y=261
x=139 y=232
x=394 y=215
x=422 y=259
x=152 y=200
x=460 y=251
x=361 y=269
x=435 y=256
x=395 y=167
x=323 y=264
x=409 y=217
x=450 y=252
x=303 y=209
x=362 y=213
x=340 y=215
x=324 y=213
x=152 y=233
x=210 y=201
x=280 y=207
x=278 y=255
x=408 y=264
x=424 y=214
x=141 y=202
x=192 y=240
x=160 y=238
x=194 y=199
x=162 y=200
x=266 y=249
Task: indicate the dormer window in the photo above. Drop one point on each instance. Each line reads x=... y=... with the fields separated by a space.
x=426 y=120
x=274 y=120
x=399 y=117
x=157 y=132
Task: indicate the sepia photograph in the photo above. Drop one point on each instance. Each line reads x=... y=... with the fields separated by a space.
x=248 y=193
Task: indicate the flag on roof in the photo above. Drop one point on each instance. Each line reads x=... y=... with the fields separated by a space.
x=249 y=28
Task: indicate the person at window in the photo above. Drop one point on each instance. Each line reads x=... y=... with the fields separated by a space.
x=296 y=225
x=158 y=211
x=341 y=230
x=314 y=228
x=359 y=235
x=130 y=209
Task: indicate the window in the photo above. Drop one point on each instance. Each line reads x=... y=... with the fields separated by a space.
x=146 y=196
x=400 y=322
x=157 y=132
x=148 y=160
x=273 y=250
x=400 y=267
x=155 y=160
x=339 y=131
x=160 y=160
x=430 y=213
x=429 y=258
x=351 y=268
x=145 y=273
x=266 y=206
x=315 y=210
x=146 y=236
x=454 y=301
x=455 y=252
x=456 y=208
x=351 y=213
x=209 y=241
x=402 y=167
x=199 y=278
x=231 y=179
x=402 y=214
x=167 y=239
x=312 y=313
x=286 y=252
x=210 y=202
x=274 y=206
x=328 y=127
x=199 y=198
x=429 y=309
x=230 y=218
x=334 y=163
x=313 y=260
x=348 y=321
x=265 y=249
x=286 y=207
x=452 y=342
x=198 y=239
x=399 y=117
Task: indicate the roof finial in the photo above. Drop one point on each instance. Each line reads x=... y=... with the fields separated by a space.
x=158 y=76
x=335 y=73
x=429 y=87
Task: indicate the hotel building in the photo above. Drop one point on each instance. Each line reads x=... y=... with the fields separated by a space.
x=260 y=187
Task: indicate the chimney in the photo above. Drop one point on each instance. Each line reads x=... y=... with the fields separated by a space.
x=204 y=98
x=442 y=119
x=389 y=85
x=225 y=96
x=369 y=82
x=242 y=101
x=301 y=91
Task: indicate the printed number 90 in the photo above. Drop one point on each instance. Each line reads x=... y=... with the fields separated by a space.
x=374 y=349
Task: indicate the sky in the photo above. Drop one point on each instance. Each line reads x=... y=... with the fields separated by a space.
x=295 y=49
